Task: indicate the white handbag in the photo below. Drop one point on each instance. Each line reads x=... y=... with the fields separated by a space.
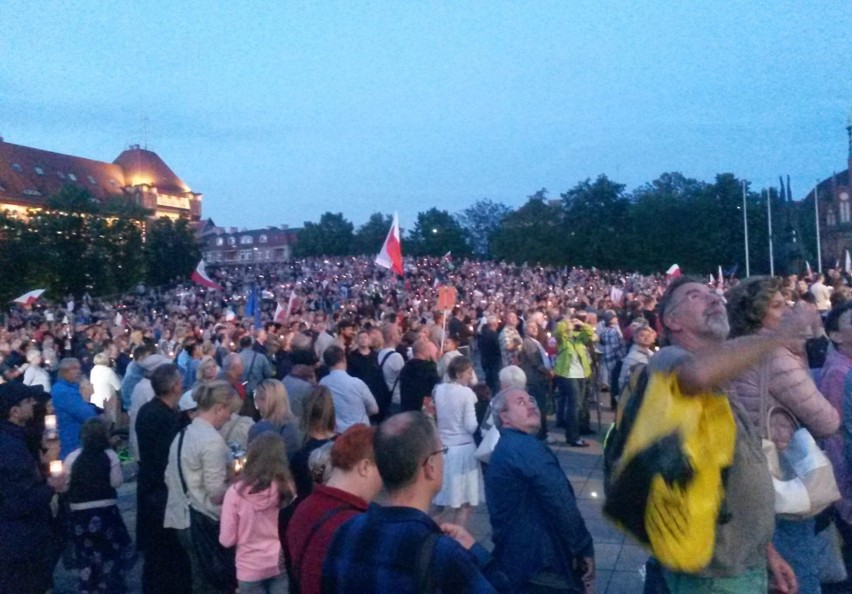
x=490 y=436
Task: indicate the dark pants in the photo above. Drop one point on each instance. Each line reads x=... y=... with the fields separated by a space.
x=539 y=392
x=568 y=394
x=796 y=542
x=166 y=565
x=29 y=576
x=492 y=376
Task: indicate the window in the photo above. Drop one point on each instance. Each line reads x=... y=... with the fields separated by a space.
x=232 y=241
x=219 y=241
x=31 y=192
x=60 y=175
x=245 y=255
x=844 y=212
x=246 y=240
x=830 y=217
x=89 y=177
x=39 y=170
x=72 y=177
x=17 y=167
x=262 y=239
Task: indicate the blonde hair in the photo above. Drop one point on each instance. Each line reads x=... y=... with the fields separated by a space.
x=277 y=401
x=209 y=394
x=204 y=365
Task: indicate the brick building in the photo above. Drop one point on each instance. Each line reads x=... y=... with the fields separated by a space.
x=221 y=245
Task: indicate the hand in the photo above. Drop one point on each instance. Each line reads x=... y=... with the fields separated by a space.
x=782 y=576
x=586 y=572
x=459 y=534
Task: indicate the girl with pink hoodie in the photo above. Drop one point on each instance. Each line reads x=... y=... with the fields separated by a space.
x=250 y=515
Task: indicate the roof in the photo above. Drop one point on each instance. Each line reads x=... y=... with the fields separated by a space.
x=142 y=166
x=31 y=175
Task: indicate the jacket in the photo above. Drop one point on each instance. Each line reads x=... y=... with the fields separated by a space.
x=833 y=385
x=250 y=522
x=573 y=343
x=789 y=385
x=71 y=412
x=24 y=499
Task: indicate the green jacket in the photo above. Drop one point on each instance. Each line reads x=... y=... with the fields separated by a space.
x=573 y=343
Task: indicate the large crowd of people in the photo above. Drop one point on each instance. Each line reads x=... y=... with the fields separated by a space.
x=265 y=419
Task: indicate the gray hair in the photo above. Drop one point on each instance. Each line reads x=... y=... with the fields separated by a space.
x=500 y=403
x=101 y=358
x=230 y=361
x=66 y=364
x=319 y=463
x=512 y=376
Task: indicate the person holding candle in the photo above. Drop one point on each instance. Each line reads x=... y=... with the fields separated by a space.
x=102 y=546
x=25 y=532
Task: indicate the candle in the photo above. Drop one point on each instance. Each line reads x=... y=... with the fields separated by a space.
x=55 y=467
x=50 y=423
x=238 y=466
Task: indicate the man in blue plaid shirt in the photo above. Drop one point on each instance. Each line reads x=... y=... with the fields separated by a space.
x=399 y=548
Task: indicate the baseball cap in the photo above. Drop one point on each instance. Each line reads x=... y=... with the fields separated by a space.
x=13 y=393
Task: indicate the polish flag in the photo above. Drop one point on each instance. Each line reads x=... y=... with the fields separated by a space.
x=391 y=255
x=809 y=272
x=29 y=298
x=673 y=272
x=199 y=275
x=293 y=303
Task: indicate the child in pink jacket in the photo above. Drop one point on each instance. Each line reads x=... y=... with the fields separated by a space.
x=250 y=516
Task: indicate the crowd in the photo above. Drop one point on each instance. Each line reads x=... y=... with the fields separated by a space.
x=266 y=419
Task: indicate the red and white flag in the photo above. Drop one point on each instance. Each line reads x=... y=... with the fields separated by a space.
x=29 y=298
x=673 y=272
x=282 y=314
x=199 y=275
x=391 y=255
x=808 y=272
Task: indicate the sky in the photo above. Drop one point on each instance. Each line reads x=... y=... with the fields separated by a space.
x=280 y=111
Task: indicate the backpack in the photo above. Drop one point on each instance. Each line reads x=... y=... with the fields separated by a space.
x=665 y=461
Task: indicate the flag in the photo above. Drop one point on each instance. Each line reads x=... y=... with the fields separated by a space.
x=119 y=319
x=29 y=298
x=808 y=272
x=720 y=278
x=848 y=264
x=391 y=255
x=293 y=304
x=253 y=306
x=673 y=272
x=199 y=275
x=448 y=256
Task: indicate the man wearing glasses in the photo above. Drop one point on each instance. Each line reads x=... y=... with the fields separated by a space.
x=398 y=547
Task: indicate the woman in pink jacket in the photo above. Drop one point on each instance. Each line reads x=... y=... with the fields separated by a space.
x=250 y=516
x=756 y=306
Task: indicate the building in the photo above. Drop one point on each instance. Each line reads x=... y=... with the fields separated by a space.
x=220 y=245
x=29 y=176
x=835 y=210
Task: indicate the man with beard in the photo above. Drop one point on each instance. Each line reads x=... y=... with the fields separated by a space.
x=694 y=320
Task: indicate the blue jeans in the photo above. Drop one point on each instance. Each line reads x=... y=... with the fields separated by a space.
x=795 y=540
x=273 y=585
x=568 y=395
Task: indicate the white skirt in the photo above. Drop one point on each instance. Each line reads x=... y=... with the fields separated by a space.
x=462 y=478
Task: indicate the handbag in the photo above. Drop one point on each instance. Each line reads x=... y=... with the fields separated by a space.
x=217 y=563
x=490 y=437
x=802 y=474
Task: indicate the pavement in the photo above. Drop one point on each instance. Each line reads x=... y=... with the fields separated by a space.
x=620 y=563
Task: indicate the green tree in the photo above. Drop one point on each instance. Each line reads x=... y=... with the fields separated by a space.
x=332 y=236
x=435 y=233
x=171 y=251
x=596 y=223
x=481 y=221
x=531 y=234
x=371 y=235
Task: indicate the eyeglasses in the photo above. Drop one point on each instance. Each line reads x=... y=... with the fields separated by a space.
x=695 y=295
x=443 y=451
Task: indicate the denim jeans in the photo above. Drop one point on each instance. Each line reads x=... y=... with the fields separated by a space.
x=273 y=585
x=795 y=541
x=568 y=395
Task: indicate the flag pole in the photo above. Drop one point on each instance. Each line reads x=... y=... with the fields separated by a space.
x=745 y=231
x=769 y=216
x=816 y=214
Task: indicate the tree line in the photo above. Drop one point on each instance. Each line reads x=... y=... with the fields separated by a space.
x=76 y=245
x=673 y=219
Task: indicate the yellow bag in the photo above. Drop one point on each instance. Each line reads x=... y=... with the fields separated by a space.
x=666 y=487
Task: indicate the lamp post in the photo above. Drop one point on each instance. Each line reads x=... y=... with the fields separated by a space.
x=745 y=230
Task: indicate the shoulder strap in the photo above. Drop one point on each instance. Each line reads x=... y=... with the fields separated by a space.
x=381 y=368
x=424 y=559
x=251 y=365
x=385 y=358
x=297 y=563
x=763 y=382
x=180 y=469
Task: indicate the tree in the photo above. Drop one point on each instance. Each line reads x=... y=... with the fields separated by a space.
x=171 y=251
x=371 y=235
x=531 y=234
x=596 y=222
x=435 y=233
x=481 y=221
x=332 y=236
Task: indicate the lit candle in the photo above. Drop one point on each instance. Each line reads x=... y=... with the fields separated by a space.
x=238 y=466
x=50 y=423
x=55 y=467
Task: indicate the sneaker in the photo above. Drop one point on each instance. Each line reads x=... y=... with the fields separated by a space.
x=580 y=443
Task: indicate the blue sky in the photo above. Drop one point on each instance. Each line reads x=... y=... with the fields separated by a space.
x=280 y=111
